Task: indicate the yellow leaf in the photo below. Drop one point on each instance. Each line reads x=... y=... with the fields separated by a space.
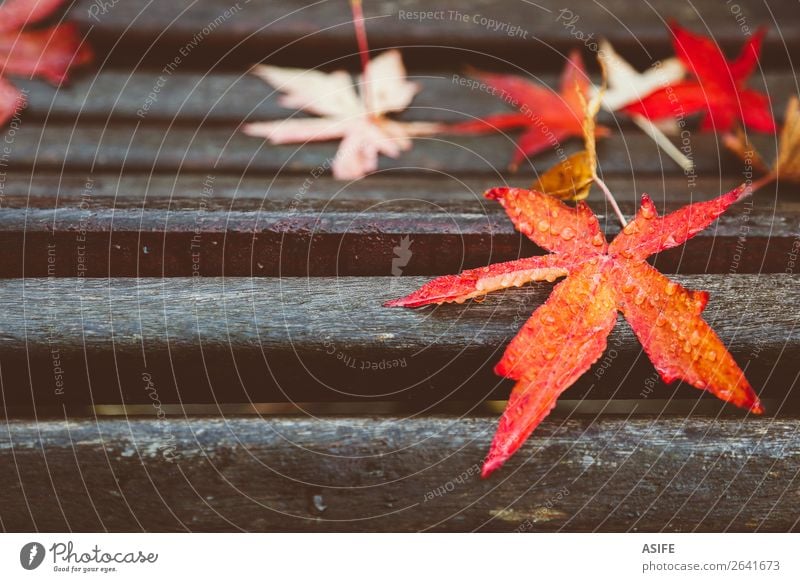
x=570 y=179
x=590 y=110
x=787 y=166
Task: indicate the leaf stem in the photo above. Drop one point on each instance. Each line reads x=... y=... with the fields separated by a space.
x=610 y=198
x=363 y=50
x=763 y=181
x=669 y=148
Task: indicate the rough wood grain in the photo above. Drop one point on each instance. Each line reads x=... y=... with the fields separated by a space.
x=310 y=34
x=92 y=228
x=208 y=340
x=217 y=150
x=202 y=98
x=397 y=474
x=182 y=190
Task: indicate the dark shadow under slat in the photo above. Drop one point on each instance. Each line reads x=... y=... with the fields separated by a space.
x=223 y=234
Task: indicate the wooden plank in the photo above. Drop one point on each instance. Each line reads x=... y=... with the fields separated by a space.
x=525 y=33
x=216 y=150
x=182 y=190
x=100 y=227
x=398 y=474
x=232 y=98
x=208 y=340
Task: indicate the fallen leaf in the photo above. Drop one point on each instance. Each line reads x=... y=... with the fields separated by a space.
x=364 y=129
x=48 y=52
x=626 y=85
x=567 y=334
x=548 y=118
x=719 y=87
x=787 y=164
x=572 y=178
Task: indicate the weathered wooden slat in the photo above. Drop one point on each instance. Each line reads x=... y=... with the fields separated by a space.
x=183 y=190
x=92 y=229
x=232 y=98
x=398 y=474
x=216 y=150
x=206 y=340
x=525 y=33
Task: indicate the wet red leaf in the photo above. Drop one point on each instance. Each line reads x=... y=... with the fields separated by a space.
x=567 y=334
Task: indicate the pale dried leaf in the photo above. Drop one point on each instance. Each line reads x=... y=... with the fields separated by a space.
x=358 y=153
x=365 y=133
x=298 y=130
x=389 y=90
x=326 y=94
x=626 y=85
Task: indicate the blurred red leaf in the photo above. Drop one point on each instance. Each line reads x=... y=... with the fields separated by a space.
x=48 y=52
x=567 y=334
x=548 y=118
x=719 y=87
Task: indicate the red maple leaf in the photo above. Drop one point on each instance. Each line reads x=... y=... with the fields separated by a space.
x=719 y=87
x=549 y=118
x=47 y=52
x=567 y=334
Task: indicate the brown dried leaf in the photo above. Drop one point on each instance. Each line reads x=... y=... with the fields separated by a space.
x=571 y=179
x=744 y=150
x=787 y=164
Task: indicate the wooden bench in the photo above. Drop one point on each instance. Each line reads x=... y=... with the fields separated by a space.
x=192 y=334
